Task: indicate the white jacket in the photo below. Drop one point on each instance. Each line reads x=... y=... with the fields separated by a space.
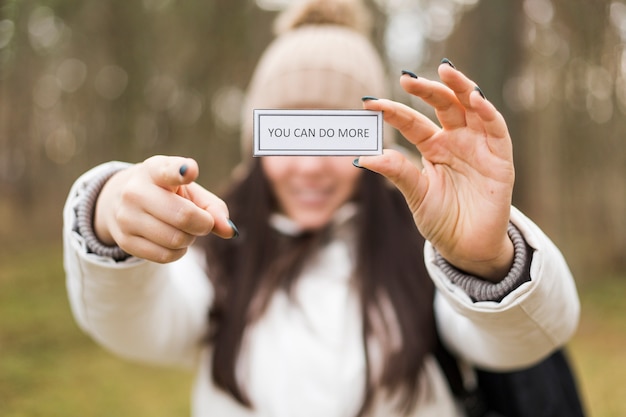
x=305 y=358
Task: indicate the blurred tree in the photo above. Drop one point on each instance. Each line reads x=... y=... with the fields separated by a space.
x=556 y=70
x=90 y=81
x=85 y=82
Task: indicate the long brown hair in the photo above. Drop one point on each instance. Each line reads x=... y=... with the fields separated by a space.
x=390 y=272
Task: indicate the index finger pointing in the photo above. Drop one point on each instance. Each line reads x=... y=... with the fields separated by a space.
x=413 y=125
x=171 y=172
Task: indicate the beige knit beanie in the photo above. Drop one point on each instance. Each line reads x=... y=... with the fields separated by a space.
x=321 y=58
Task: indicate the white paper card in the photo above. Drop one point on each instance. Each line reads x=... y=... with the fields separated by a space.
x=318 y=132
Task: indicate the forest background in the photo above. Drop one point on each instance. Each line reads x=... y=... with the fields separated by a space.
x=84 y=82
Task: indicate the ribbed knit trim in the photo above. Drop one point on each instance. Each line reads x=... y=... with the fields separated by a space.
x=481 y=290
x=84 y=218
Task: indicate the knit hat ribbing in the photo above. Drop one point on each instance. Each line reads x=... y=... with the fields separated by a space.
x=320 y=59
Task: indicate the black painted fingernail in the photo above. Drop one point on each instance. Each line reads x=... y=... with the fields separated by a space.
x=368 y=98
x=409 y=73
x=477 y=88
x=447 y=61
x=235 y=230
x=356 y=164
x=183 y=170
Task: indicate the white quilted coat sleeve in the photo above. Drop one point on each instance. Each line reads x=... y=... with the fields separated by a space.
x=137 y=309
x=529 y=323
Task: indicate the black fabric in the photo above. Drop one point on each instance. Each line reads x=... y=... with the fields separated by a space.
x=473 y=401
x=547 y=389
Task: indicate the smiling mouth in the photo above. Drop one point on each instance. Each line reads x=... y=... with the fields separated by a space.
x=313 y=196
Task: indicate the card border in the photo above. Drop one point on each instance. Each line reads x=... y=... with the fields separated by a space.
x=258 y=113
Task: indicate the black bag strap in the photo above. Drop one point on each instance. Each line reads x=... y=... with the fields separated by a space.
x=472 y=400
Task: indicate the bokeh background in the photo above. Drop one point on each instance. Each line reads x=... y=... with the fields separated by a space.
x=87 y=81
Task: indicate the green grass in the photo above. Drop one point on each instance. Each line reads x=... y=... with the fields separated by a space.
x=599 y=348
x=48 y=367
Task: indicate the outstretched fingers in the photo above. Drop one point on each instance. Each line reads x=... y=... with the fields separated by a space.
x=450 y=112
x=461 y=86
x=473 y=99
x=459 y=103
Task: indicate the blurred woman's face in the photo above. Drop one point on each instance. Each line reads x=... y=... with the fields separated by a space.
x=309 y=189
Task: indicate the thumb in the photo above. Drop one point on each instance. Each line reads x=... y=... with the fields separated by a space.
x=402 y=172
x=171 y=172
x=177 y=174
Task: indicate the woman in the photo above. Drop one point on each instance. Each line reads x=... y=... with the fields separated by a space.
x=333 y=292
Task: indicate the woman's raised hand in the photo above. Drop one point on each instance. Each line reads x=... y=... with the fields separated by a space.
x=461 y=197
x=154 y=210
